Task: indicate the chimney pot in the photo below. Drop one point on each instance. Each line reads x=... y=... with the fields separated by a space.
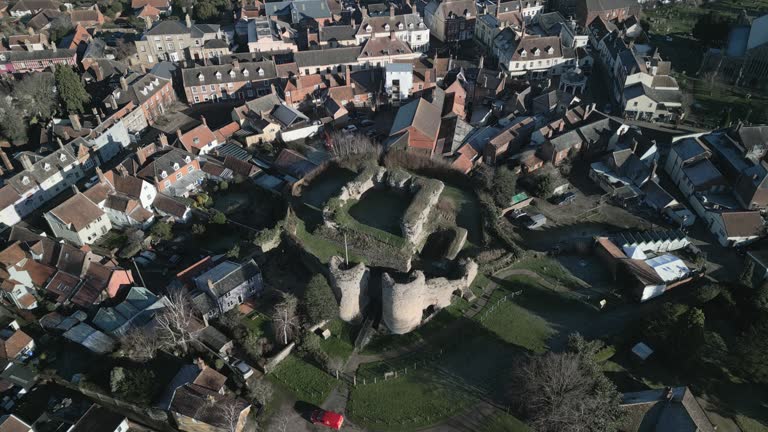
x=75 y=119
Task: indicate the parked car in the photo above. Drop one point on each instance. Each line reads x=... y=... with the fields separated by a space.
x=535 y=221
x=349 y=129
x=564 y=199
x=330 y=419
x=92 y=181
x=366 y=123
x=244 y=368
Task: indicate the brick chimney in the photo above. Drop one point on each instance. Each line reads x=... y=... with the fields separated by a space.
x=427 y=75
x=178 y=133
x=236 y=64
x=392 y=36
x=26 y=163
x=188 y=21
x=6 y=161
x=202 y=119
x=100 y=174
x=163 y=140
x=123 y=83
x=75 y=119
x=348 y=75
x=391 y=10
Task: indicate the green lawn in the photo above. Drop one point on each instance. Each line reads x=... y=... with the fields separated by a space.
x=258 y=323
x=503 y=423
x=342 y=340
x=307 y=382
x=325 y=186
x=321 y=248
x=550 y=269
x=230 y=202
x=467 y=211
x=411 y=402
x=516 y=325
x=380 y=212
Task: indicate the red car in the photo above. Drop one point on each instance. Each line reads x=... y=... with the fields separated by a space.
x=327 y=418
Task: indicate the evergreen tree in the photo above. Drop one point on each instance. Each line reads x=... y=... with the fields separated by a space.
x=71 y=90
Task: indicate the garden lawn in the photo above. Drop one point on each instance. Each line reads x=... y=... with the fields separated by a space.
x=258 y=323
x=307 y=382
x=342 y=340
x=411 y=402
x=321 y=248
x=230 y=202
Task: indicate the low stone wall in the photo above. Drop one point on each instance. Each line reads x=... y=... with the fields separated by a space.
x=351 y=288
x=272 y=363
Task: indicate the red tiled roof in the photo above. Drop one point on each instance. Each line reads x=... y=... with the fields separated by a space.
x=13 y=346
x=197 y=138
x=160 y=4
x=223 y=133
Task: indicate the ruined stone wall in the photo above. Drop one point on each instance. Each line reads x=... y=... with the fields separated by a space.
x=403 y=304
x=351 y=288
x=417 y=215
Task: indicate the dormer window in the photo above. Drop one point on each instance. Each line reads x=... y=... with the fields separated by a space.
x=232 y=73
x=386 y=26
x=523 y=53
x=400 y=26
x=467 y=13
x=368 y=28
x=176 y=164
x=421 y=24
x=410 y=26
x=261 y=72
x=25 y=180
x=163 y=174
x=47 y=166
x=245 y=72
x=195 y=140
x=62 y=157
x=187 y=159
x=550 y=50
x=218 y=75
x=536 y=51
x=201 y=77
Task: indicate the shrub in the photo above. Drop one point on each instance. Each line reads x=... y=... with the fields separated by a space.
x=162 y=230
x=542 y=186
x=504 y=185
x=218 y=218
x=319 y=302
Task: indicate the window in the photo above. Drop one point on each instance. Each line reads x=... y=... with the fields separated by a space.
x=213 y=87
x=167 y=184
x=261 y=72
x=230 y=85
x=194 y=89
x=170 y=46
x=190 y=168
x=143 y=48
x=218 y=75
x=245 y=72
x=249 y=93
x=197 y=99
x=178 y=176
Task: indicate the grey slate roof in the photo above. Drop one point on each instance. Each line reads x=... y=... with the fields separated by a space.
x=331 y=56
x=337 y=32
x=256 y=71
x=39 y=55
x=170 y=27
x=228 y=275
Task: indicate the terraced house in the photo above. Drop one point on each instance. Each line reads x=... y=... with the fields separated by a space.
x=246 y=80
x=171 y=40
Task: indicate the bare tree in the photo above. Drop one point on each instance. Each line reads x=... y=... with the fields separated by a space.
x=281 y=422
x=285 y=320
x=230 y=414
x=139 y=345
x=261 y=392
x=176 y=321
x=334 y=365
x=345 y=145
x=564 y=392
